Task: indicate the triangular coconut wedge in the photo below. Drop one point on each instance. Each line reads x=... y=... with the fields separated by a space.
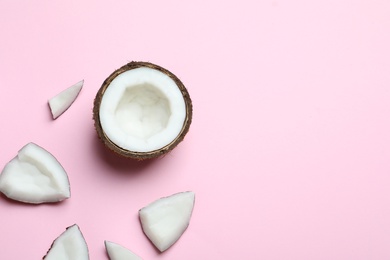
x=70 y=245
x=118 y=252
x=61 y=102
x=34 y=176
x=165 y=220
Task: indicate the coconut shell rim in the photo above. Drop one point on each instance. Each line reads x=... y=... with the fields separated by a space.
x=133 y=154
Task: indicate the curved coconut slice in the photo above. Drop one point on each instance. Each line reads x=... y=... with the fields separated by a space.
x=34 y=176
x=166 y=219
x=61 y=102
x=142 y=111
x=70 y=245
x=118 y=252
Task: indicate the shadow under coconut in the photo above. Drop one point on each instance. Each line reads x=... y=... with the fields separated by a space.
x=118 y=163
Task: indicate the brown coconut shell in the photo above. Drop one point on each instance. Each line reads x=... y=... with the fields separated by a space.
x=132 y=154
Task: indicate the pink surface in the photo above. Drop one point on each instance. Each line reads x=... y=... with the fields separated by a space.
x=289 y=150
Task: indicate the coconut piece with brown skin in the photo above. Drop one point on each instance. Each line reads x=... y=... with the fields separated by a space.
x=142 y=111
x=70 y=245
x=34 y=176
x=62 y=101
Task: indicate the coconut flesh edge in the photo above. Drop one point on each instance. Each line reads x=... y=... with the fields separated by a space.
x=142 y=110
x=165 y=220
x=34 y=176
x=70 y=245
x=118 y=252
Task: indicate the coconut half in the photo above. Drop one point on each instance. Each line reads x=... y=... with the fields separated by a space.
x=118 y=252
x=142 y=111
x=70 y=245
x=34 y=176
x=165 y=220
x=62 y=101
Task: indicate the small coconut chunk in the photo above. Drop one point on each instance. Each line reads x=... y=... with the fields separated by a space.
x=70 y=245
x=118 y=252
x=165 y=220
x=34 y=176
x=61 y=102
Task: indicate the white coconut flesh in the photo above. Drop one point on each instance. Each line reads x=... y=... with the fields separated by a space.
x=119 y=252
x=142 y=110
x=34 y=176
x=70 y=245
x=165 y=220
x=62 y=101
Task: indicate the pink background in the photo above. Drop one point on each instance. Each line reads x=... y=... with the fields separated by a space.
x=289 y=150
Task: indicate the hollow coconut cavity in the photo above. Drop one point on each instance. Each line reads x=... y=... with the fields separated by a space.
x=142 y=111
